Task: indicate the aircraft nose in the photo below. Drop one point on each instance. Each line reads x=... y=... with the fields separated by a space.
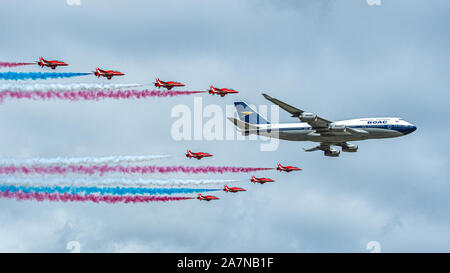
x=410 y=129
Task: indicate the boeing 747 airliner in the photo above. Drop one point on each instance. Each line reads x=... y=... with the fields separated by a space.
x=317 y=129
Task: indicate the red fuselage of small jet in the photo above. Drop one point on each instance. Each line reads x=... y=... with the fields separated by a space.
x=169 y=85
x=221 y=91
x=207 y=197
x=287 y=168
x=107 y=73
x=233 y=189
x=261 y=180
x=52 y=64
x=198 y=155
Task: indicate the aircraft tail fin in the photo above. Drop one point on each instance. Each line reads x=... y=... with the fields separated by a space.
x=248 y=115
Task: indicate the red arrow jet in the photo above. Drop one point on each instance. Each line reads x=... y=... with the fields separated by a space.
x=52 y=64
x=221 y=91
x=287 y=168
x=261 y=180
x=107 y=73
x=169 y=85
x=207 y=197
x=233 y=189
x=199 y=155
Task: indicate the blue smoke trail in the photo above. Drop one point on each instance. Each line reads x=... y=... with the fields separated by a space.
x=100 y=190
x=38 y=75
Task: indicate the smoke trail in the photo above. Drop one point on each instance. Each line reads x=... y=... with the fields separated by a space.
x=8 y=64
x=38 y=75
x=101 y=190
x=39 y=87
x=109 y=182
x=147 y=169
x=92 y=94
x=82 y=160
x=67 y=197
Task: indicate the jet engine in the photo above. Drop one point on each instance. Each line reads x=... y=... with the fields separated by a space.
x=350 y=148
x=332 y=152
x=337 y=128
x=307 y=117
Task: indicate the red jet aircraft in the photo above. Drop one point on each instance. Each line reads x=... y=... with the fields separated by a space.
x=287 y=168
x=261 y=180
x=207 y=197
x=197 y=155
x=169 y=85
x=52 y=64
x=107 y=73
x=233 y=189
x=221 y=91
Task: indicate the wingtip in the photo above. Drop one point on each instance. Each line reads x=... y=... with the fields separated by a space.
x=266 y=96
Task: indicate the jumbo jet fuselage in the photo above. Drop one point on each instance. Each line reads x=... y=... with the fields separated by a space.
x=368 y=128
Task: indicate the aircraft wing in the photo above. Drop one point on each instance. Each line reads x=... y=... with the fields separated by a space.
x=316 y=124
x=312 y=149
x=319 y=124
x=288 y=108
x=324 y=146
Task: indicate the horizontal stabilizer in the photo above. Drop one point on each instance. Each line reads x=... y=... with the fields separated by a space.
x=242 y=125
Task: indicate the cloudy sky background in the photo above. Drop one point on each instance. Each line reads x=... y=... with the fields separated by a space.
x=339 y=59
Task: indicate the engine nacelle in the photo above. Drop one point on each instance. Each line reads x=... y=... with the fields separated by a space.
x=307 y=117
x=337 y=128
x=332 y=153
x=350 y=148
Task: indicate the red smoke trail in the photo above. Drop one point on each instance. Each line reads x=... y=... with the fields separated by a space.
x=67 y=197
x=7 y=64
x=90 y=170
x=92 y=94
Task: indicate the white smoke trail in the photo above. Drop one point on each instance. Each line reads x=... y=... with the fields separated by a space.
x=82 y=160
x=39 y=87
x=123 y=182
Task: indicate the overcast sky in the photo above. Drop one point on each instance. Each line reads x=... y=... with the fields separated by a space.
x=339 y=59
